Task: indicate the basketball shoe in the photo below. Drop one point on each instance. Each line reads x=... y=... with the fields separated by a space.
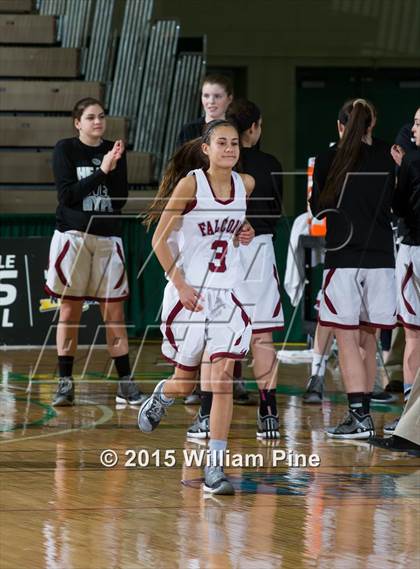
x=268 y=426
x=200 y=429
x=216 y=481
x=153 y=409
x=354 y=426
x=383 y=397
x=314 y=390
x=128 y=392
x=64 y=396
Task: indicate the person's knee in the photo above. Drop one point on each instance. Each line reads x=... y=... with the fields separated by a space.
x=70 y=311
x=113 y=313
x=222 y=383
x=412 y=336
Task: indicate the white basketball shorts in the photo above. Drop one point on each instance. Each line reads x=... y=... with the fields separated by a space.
x=354 y=297
x=222 y=328
x=84 y=266
x=260 y=289
x=408 y=286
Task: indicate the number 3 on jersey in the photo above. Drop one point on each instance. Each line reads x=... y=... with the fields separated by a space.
x=218 y=265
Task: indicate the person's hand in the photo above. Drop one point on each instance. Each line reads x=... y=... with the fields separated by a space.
x=109 y=162
x=118 y=148
x=189 y=298
x=397 y=153
x=111 y=158
x=246 y=234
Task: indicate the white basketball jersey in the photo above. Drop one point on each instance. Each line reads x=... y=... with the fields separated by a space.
x=210 y=258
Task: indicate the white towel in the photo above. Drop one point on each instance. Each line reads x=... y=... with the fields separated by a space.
x=295 y=356
x=294 y=278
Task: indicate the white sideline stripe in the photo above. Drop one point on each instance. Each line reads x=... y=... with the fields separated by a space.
x=28 y=286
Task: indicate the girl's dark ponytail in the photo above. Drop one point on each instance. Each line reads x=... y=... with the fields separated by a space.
x=188 y=157
x=357 y=116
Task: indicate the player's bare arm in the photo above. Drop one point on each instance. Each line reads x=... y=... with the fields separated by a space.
x=182 y=195
x=247 y=233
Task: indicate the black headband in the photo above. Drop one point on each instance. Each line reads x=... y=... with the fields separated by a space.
x=214 y=124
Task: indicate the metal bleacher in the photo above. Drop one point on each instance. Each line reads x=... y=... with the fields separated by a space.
x=51 y=55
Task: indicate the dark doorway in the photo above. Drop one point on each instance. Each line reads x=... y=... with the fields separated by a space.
x=321 y=92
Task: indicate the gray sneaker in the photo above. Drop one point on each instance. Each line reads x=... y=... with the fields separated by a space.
x=389 y=428
x=216 y=482
x=153 y=409
x=200 y=429
x=353 y=427
x=64 y=396
x=128 y=392
x=268 y=426
x=314 y=390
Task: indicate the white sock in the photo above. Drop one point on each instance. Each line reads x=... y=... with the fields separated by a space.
x=319 y=364
x=217 y=451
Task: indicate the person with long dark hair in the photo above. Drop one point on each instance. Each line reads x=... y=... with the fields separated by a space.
x=353 y=186
x=197 y=241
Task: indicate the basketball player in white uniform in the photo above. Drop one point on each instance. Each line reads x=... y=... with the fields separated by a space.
x=201 y=314
x=259 y=290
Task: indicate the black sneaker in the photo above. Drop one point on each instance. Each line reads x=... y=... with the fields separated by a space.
x=128 y=392
x=395 y=444
x=64 y=396
x=314 y=390
x=354 y=426
x=268 y=426
x=395 y=386
x=383 y=397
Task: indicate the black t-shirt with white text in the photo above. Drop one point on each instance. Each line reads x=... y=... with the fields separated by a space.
x=88 y=199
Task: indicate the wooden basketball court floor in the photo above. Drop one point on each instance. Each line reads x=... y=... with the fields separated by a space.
x=61 y=509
